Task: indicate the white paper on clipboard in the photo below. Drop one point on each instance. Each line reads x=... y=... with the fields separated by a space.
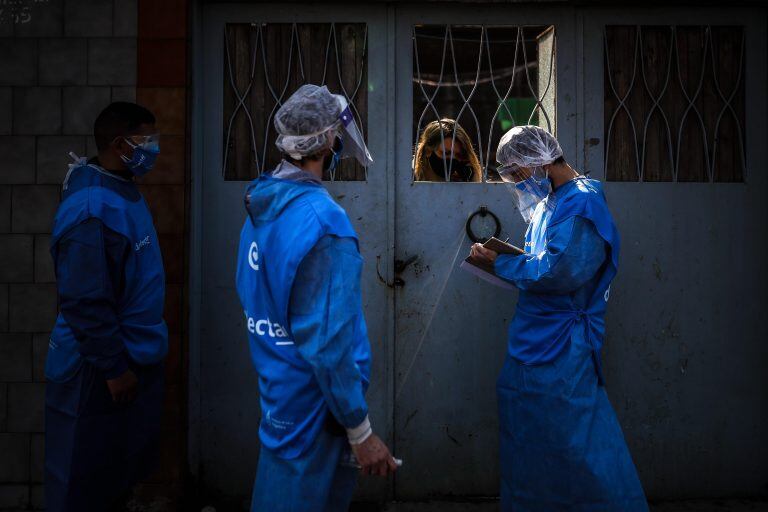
x=485 y=276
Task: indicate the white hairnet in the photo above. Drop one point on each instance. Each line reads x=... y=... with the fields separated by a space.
x=527 y=146
x=306 y=122
x=310 y=121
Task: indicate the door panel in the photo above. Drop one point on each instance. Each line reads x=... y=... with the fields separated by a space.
x=226 y=443
x=685 y=352
x=684 y=356
x=450 y=327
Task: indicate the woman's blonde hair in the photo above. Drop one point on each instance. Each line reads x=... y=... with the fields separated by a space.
x=431 y=138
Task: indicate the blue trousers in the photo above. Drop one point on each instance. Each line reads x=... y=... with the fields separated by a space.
x=317 y=481
x=96 y=449
x=561 y=445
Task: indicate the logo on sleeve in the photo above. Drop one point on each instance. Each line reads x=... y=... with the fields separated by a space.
x=607 y=294
x=142 y=243
x=253 y=256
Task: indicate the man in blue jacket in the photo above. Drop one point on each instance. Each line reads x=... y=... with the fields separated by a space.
x=298 y=278
x=561 y=445
x=104 y=368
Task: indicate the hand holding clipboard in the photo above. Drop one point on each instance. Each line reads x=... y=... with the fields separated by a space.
x=484 y=268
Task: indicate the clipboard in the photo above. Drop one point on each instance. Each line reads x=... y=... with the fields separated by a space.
x=487 y=272
x=500 y=247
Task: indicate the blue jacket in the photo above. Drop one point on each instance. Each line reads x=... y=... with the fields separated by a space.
x=298 y=278
x=110 y=278
x=572 y=251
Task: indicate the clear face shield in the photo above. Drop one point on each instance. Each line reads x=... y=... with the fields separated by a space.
x=353 y=144
x=530 y=185
x=147 y=142
x=146 y=148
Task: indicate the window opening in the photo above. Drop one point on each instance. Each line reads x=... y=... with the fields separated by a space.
x=471 y=84
x=265 y=64
x=674 y=103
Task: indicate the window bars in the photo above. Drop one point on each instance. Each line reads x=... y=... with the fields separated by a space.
x=481 y=76
x=674 y=103
x=265 y=64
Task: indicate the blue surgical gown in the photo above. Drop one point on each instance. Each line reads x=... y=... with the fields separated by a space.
x=324 y=303
x=89 y=261
x=96 y=449
x=561 y=446
x=574 y=253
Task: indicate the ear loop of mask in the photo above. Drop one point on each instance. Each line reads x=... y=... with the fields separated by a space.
x=336 y=158
x=154 y=148
x=133 y=146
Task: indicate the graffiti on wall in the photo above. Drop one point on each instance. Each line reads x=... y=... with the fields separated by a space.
x=18 y=12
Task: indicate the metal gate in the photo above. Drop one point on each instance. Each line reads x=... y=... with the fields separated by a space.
x=450 y=328
x=678 y=327
x=685 y=355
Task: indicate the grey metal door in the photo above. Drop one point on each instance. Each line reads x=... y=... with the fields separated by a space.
x=224 y=407
x=685 y=354
x=450 y=327
x=438 y=339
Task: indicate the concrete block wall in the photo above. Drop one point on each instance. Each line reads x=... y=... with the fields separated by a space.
x=61 y=62
x=161 y=86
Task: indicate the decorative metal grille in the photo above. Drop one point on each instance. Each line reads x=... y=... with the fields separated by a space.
x=674 y=103
x=487 y=78
x=266 y=63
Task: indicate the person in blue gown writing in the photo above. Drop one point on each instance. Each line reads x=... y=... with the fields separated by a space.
x=298 y=278
x=104 y=368
x=561 y=446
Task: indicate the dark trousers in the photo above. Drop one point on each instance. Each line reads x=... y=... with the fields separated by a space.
x=96 y=449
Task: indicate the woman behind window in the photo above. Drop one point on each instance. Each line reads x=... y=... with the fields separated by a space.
x=439 y=153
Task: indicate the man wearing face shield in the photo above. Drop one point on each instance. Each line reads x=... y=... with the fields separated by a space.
x=298 y=278
x=104 y=367
x=561 y=445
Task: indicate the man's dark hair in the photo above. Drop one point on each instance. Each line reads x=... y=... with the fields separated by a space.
x=118 y=120
x=559 y=160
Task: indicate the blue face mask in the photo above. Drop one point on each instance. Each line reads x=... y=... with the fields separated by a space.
x=336 y=150
x=144 y=156
x=530 y=192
